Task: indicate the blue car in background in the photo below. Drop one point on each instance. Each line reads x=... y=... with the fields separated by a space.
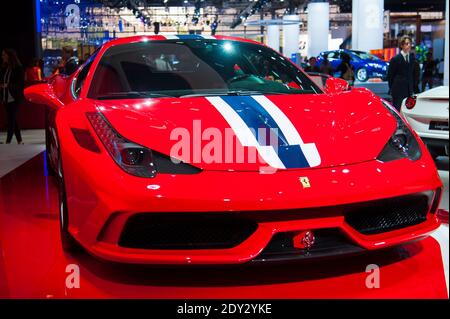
x=366 y=65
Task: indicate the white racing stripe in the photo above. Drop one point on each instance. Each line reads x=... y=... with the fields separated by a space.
x=171 y=37
x=289 y=131
x=244 y=134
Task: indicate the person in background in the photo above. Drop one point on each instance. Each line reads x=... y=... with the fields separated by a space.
x=440 y=69
x=12 y=78
x=34 y=73
x=69 y=63
x=429 y=68
x=401 y=75
x=325 y=66
x=416 y=75
x=312 y=67
x=346 y=69
x=85 y=58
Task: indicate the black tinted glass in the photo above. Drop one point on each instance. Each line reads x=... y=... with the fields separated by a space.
x=195 y=68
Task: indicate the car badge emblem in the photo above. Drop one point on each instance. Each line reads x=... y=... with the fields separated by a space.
x=304 y=240
x=305 y=182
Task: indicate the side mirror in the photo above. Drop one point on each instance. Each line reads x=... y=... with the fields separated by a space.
x=42 y=94
x=336 y=85
x=59 y=84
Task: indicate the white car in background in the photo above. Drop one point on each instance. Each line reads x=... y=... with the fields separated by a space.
x=427 y=113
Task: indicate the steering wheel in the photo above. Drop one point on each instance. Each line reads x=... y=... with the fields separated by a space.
x=239 y=77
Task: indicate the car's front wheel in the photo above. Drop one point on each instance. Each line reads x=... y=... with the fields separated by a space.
x=68 y=243
x=48 y=159
x=362 y=75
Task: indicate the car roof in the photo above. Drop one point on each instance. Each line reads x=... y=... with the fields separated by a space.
x=143 y=38
x=338 y=50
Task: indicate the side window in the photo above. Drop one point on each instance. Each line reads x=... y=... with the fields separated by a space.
x=77 y=83
x=333 y=55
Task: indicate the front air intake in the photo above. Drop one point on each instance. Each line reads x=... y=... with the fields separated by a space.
x=185 y=231
x=389 y=214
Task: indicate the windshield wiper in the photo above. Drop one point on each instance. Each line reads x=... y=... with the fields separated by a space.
x=130 y=95
x=233 y=92
x=253 y=92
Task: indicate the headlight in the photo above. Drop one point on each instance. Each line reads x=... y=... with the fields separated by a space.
x=374 y=65
x=402 y=143
x=133 y=158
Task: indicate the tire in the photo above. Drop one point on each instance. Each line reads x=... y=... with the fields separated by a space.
x=48 y=164
x=69 y=244
x=362 y=75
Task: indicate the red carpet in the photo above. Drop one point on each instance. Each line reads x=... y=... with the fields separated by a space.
x=33 y=265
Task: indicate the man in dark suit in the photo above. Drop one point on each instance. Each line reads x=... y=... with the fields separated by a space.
x=401 y=75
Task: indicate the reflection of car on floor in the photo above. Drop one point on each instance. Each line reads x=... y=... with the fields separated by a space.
x=427 y=113
x=366 y=65
x=282 y=170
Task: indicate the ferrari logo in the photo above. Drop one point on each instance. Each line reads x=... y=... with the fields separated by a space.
x=305 y=182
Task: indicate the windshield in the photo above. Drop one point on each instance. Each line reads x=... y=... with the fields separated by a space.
x=183 y=68
x=366 y=56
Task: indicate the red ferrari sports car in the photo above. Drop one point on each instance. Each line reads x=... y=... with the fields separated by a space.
x=218 y=150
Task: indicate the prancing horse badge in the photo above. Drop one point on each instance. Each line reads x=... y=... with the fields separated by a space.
x=305 y=182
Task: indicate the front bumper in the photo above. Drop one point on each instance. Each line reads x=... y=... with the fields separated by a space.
x=421 y=124
x=255 y=249
x=101 y=198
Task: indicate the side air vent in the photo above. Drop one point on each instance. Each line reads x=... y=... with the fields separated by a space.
x=85 y=139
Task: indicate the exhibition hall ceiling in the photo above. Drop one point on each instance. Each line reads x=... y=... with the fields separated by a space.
x=345 y=5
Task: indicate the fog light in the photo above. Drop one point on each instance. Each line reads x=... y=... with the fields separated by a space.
x=304 y=240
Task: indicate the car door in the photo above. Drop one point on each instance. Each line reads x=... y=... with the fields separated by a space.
x=335 y=58
x=67 y=90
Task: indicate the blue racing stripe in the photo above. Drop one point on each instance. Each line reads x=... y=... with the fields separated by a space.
x=292 y=156
x=255 y=116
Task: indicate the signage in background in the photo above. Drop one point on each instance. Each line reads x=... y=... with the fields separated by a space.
x=387 y=21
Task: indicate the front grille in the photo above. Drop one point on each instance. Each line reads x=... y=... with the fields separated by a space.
x=222 y=230
x=389 y=214
x=185 y=231
x=328 y=242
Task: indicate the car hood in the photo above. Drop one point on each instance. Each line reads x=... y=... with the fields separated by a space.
x=212 y=133
x=440 y=92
